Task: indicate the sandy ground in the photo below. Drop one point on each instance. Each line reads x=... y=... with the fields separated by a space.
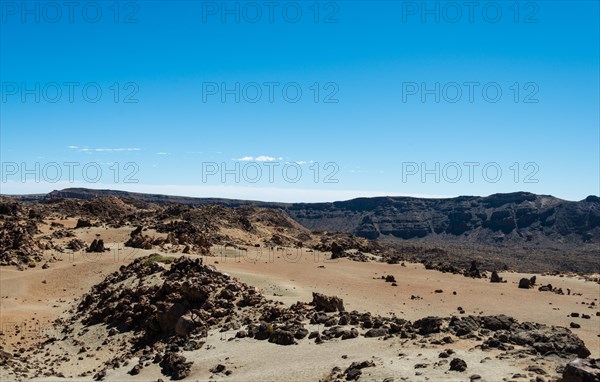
x=251 y=360
x=293 y=278
x=32 y=298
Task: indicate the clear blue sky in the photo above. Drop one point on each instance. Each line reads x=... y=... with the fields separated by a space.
x=372 y=117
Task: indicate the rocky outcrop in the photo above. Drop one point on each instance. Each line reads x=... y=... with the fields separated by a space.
x=17 y=244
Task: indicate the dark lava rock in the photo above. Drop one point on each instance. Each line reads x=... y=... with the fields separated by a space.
x=337 y=251
x=495 y=278
x=175 y=365
x=82 y=223
x=379 y=332
x=218 y=369
x=428 y=325
x=327 y=303
x=581 y=370
x=499 y=322
x=353 y=372
x=525 y=283
x=458 y=364
x=97 y=246
x=136 y=370
x=282 y=337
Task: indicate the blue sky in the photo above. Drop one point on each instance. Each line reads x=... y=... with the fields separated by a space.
x=397 y=98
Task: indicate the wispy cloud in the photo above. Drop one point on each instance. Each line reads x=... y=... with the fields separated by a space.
x=106 y=150
x=261 y=158
x=162 y=153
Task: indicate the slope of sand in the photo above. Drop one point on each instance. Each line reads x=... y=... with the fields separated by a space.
x=290 y=276
x=361 y=287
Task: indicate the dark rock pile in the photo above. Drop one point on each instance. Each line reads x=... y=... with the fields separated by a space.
x=178 y=233
x=187 y=233
x=168 y=308
x=76 y=245
x=17 y=244
x=138 y=240
x=194 y=298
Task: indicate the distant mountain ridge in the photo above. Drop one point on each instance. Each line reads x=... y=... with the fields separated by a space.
x=518 y=218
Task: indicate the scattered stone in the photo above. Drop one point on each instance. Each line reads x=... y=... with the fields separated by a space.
x=218 y=369
x=353 y=372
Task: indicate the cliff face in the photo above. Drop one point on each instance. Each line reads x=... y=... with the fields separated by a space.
x=499 y=218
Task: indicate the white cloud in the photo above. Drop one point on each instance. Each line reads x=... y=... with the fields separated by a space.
x=260 y=158
x=109 y=150
x=161 y=153
x=264 y=158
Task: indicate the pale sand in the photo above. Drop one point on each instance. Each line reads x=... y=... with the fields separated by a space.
x=25 y=297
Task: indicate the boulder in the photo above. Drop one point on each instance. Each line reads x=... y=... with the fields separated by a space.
x=525 y=283
x=353 y=372
x=97 y=246
x=327 y=303
x=337 y=251
x=168 y=319
x=458 y=364
x=428 y=325
x=379 y=332
x=282 y=337
x=581 y=370
x=495 y=278
x=185 y=325
x=193 y=291
x=83 y=223
x=175 y=365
